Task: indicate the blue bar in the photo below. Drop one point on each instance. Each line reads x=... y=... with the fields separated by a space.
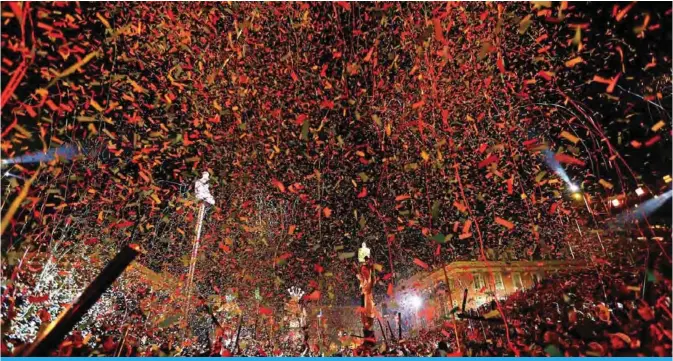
x=353 y=358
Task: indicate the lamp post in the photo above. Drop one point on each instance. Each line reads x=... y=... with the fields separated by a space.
x=203 y=196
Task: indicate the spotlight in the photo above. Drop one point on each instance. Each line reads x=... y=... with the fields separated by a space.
x=416 y=302
x=640 y=191
x=574 y=188
x=667 y=178
x=615 y=202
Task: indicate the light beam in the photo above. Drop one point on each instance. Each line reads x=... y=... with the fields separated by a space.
x=644 y=209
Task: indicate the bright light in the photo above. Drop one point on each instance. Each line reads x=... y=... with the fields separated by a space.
x=640 y=191
x=67 y=152
x=644 y=209
x=574 y=188
x=555 y=166
x=577 y=196
x=667 y=178
x=416 y=302
x=615 y=202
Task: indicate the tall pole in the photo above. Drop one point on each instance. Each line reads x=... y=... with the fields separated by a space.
x=383 y=332
x=203 y=195
x=238 y=334
x=195 y=250
x=399 y=325
x=57 y=330
x=392 y=335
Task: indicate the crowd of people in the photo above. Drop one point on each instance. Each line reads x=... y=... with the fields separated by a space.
x=602 y=311
x=588 y=313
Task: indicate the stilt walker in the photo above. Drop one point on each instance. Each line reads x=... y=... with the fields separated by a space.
x=203 y=196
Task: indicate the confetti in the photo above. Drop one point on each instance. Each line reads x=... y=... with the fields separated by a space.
x=408 y=127
x=421 y=263
x=504 y=223
x=573 y=139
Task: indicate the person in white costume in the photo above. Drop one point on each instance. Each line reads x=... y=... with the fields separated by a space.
x=202 y=191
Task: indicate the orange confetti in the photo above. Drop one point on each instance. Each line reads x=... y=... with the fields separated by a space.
x=573 y=139
x=77 y=65
x=564 y=158
x=278 y=184
x=605 y=184
x=466 y=227
x=622 y=13
x=460 y=207
x=572 y=62
x=504 y=223
x=402 y=197
x=314 y=296
x=465 y=236
x=418 y=104
x=421 y=263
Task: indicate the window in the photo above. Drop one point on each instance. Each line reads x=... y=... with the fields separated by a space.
x=499 y=284
x=516 y=279
x=478 y=281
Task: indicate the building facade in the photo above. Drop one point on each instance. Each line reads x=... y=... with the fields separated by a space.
x=482 y=280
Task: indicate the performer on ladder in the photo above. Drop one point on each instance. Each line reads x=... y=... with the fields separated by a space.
x=202 y=191
x=203 y=196
x=367 y=278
